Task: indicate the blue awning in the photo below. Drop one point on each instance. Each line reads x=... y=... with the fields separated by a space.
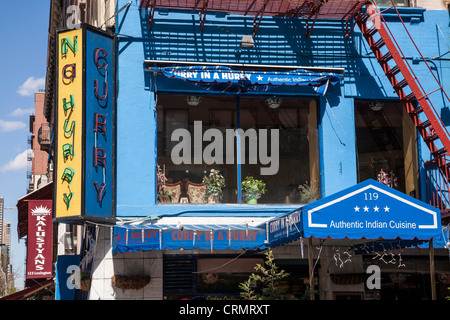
x=368 y=210
x=209 y=237
x=229 y=80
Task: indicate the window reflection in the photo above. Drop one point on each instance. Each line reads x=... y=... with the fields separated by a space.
x=277 y=145
x=385 y=139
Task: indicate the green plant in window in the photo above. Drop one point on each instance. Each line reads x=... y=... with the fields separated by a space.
x=214 y=183
x=252 y=189
x=162 y=196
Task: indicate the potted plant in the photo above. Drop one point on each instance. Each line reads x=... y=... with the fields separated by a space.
x=252 y=189
x=266 y=283
x=162 y=196
x=130 y=282
x=213 y=185
x=309 y=192
x=85 y=281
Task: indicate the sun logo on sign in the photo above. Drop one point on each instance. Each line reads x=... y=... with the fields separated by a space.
x=41 y=210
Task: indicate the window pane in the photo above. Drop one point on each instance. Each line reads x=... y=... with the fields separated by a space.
x=188 y=149
x=388 y=3
x=284 y=153
x=381 y=132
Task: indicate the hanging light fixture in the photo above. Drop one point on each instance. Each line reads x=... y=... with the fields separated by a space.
x=247 y=42
x=193 y=101
x=274 y=102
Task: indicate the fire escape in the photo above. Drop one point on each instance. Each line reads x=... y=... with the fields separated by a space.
x=388 y=53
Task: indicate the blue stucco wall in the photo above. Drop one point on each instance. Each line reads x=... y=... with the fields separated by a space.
x=177 y=36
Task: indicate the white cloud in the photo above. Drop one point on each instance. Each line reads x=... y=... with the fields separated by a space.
x=18 y=163
x=31 y=85
x=21 y=112
x=6 y=126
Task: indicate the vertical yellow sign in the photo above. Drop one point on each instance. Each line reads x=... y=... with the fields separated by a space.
x=68 y=179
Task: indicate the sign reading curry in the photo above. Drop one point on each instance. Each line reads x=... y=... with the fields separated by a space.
x=84 y=125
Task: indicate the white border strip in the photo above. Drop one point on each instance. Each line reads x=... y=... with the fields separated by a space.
x=245 y=65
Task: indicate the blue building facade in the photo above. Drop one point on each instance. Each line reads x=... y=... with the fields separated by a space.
x=175 y=36
x=316 y=144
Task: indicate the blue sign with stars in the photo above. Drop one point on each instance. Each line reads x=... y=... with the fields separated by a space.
x=371 y=210
x=229 y=80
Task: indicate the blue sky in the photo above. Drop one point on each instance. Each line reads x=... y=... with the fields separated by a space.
x=23 y=55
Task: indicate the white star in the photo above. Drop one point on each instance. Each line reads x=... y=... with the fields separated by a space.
x=259 y=78
x=386 y=209
x=366 y=209
x=375 y=208
x=356 y=209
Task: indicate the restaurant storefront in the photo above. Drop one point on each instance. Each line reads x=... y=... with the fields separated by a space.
x=366 y=242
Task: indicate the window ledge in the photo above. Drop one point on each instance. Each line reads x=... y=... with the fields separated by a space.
x=223 y=209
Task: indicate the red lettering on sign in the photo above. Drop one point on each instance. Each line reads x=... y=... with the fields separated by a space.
x=99 y=123
x=99 y=157
x=100 y=55
x=99 y=190
x=105 y=90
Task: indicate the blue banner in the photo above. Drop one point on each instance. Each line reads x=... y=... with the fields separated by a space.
x=65 y=267
x=285 y=229
x=154 y=237
x=228 y=80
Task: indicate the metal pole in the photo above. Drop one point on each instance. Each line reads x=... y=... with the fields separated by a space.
x=238 y=150
x=311 y=268
x=432 y=270
x=242 y=65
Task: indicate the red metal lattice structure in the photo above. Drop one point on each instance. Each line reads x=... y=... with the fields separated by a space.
x=331 y=9
x=309 y=9
x=387 y=52
x=415 y=98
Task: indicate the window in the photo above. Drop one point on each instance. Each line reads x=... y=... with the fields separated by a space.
x=206 y=277
x=220 y=275
x=385 y=140
x=198 y=134
x=388 y=3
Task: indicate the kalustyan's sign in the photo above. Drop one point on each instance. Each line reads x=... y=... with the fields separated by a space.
x=40 y=239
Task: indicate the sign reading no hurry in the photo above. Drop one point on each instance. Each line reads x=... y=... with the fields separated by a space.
x=84 y=125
